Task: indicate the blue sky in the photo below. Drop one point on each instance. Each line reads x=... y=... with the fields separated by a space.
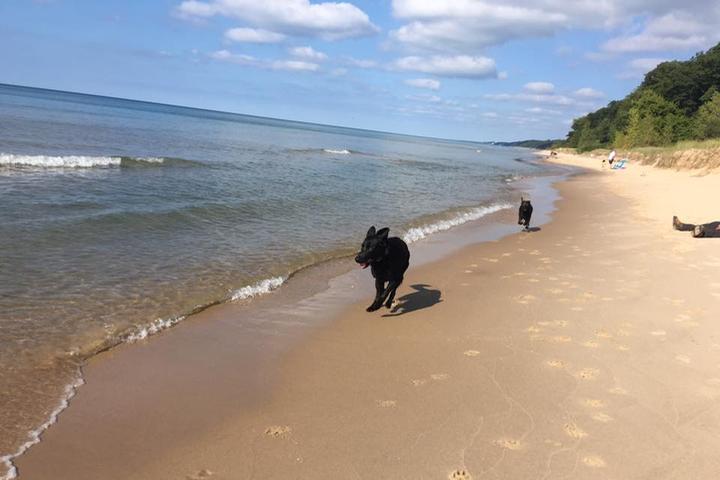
x=468 y=69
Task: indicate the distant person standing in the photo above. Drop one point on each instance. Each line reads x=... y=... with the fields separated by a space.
x=611 y=157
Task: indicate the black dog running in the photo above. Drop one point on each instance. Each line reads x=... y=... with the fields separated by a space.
x=388 y=259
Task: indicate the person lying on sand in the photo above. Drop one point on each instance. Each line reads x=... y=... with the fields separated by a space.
x=711 y=229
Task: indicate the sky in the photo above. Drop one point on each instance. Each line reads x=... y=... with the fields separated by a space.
x=463 y=69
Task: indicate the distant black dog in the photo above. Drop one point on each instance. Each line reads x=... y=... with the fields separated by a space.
x=388 y=259
x=525 y=213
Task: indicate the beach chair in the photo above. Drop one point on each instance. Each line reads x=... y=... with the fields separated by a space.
x=620 y=164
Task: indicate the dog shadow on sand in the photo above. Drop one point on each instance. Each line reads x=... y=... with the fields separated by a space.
x=422 y=297
x=532 y=229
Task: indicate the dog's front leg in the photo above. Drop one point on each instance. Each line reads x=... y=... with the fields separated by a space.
x=379 y=295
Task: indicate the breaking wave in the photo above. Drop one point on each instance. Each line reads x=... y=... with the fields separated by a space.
x=84 y=161
x=418 y=233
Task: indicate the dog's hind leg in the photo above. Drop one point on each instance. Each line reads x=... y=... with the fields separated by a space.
x=391 y=296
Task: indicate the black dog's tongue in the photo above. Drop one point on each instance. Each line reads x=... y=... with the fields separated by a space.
x=364 y=265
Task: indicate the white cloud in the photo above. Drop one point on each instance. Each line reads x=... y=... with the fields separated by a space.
x=361 y=62
x=587 y=92
x=249 y=61
x=639 y=67
x=295 y=65
x=308 y=53
x=464 y=26
x=253 y=35
x=541 y=88
x=327 y=20
x=226 y=56
x=531 y=97
x=675 y=31
x=489 y=114
x=544 y=111
x=428 y=83
x=453 y=66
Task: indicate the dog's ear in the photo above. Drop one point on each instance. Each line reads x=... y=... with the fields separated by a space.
x=371 y=232
x=522 y=199
x=383 y=233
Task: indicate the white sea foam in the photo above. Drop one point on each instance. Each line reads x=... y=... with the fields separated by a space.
x=34 y=436
x=150 y=159
x=156 y=326
x=71 y=161
x=336 y=152
x=418 y=233
x=68 y=161
x=259 y=288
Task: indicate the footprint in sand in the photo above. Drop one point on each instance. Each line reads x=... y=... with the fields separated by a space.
x=602 y=334
x=590 y=344
x=658 y=333
x=491 y=260
x=623 y=348
x=204 y=473
x=587 y=373
x=607 y=299
x=593 y=461
x=574 y=431
x=552 y=279
x=577 y=309
x=533 y=329
x=554 y=291
x=602 y=417
x=525 y=299
x=468 y=271
x=386 y=403
x=506 y=254
x=533 y=280
x=508 y=443
x=623 y=333
x=683 y=359
x=460 y=475
x=560 y=339
x=464 y=284
x=278 y=431
x=471 y=353
x=439 y=376
x=419 y=382
x=555 y=363
x=534 y=252
x=618 y=391
x=473 y=265
x=593 y=403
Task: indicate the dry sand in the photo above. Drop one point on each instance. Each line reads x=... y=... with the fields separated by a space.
x=589 y=349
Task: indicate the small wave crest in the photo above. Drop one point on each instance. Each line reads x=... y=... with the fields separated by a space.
x=34 y=436
x=84 y=161
x=259 y=288
x=418 y=233
x=336 y=152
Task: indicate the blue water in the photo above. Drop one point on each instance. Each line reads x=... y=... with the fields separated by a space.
x=116 y=215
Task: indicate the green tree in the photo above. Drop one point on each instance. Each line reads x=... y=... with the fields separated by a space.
x=707 y=120
x=654 y=121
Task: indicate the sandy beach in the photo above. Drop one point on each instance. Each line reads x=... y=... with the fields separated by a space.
x=587 y=349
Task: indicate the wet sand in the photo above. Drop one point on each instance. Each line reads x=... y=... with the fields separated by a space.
x=587 y=349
